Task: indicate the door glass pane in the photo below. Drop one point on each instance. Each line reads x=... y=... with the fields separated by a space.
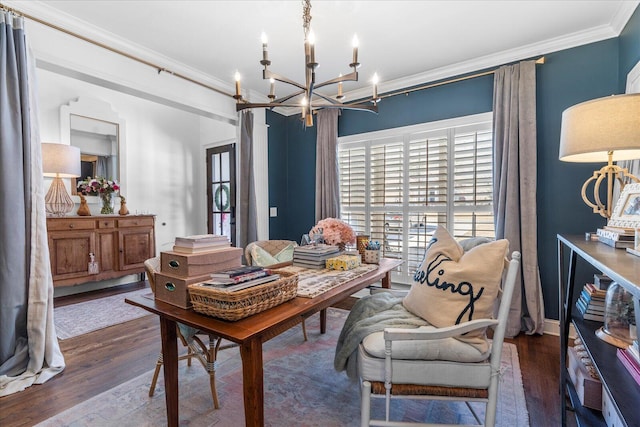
x=224 y=166
x=215 y=165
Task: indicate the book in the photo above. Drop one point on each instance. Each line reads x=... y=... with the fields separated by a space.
x=595 y=291
x=243 y=285
x=214 y=248
x=615 y=235
x=226 y=281
x=633 y=351
x=602 y=281
x=589 y=315
x=615 y=243
x=313 y=257
x=632 y=366
x=233 y=272
x=200 y=239
x=316 y=249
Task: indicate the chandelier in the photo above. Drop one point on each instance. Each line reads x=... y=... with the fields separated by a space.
x=306 y=97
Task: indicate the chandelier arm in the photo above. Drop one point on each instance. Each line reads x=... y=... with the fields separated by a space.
x=267 y=74
x=351 y=77
x=288 y=97
x=326 y=98
x=362 y=107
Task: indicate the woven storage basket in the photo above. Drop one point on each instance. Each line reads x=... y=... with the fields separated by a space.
x=246 y=302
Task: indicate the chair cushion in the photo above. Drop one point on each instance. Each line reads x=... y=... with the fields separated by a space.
x=437 y=372
x=261 y=257
x=453 y=286
x=441 y=349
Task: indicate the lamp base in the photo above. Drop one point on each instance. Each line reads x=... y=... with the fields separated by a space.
x=57 y=201
x=610 y=339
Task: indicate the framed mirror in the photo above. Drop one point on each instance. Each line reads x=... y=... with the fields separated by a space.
x=94 y=127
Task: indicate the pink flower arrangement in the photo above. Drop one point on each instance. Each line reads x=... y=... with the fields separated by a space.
x=97 y=186
x=334 y=231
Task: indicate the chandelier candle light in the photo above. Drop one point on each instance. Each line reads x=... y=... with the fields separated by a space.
x=310 y=99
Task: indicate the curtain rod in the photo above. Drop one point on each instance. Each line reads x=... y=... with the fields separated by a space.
x=445 y=82
x=189 y=79
x=114 y=50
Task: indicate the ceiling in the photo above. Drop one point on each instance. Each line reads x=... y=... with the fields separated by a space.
x=405 y=42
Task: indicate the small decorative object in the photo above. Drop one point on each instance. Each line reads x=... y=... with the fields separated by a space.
x=343 y=262
x=619 y=317
x=93 y=265
x=102 y=187
x=123 y=206
x=361 y=243
x=83 y=210
x=372 y=252
x=334 y=232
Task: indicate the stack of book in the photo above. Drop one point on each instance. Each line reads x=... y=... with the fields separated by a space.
x=200 y=243
x=602 y=281
x=616 y=237
x=630 y=358
x=313 y=256
x=591 y=303
x=244 y=277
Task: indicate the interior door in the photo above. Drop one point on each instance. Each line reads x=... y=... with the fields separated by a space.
x=221 y=191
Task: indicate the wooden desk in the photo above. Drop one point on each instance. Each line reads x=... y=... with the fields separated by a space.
x=623 y=268
x=249 y=333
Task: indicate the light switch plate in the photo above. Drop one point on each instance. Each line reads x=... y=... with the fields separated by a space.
x=273 y=212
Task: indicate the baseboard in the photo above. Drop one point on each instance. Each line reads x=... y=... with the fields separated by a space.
x=552 y=327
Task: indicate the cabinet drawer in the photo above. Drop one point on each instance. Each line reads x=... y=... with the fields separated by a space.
x=106 y=223
x=136 y=222
x=70 y=224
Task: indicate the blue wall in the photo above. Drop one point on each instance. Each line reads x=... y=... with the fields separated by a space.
x=567 y=78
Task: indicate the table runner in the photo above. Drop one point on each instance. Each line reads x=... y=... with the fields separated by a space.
x=313 y=282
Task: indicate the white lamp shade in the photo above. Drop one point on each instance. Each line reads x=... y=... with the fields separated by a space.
x=60 y=160
x=593 y=128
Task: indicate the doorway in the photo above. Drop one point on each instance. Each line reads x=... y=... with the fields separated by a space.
x=221 y=191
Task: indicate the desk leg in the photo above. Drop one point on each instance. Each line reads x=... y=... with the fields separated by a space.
x=252 y=382
x=386 y=280
x=170 y=365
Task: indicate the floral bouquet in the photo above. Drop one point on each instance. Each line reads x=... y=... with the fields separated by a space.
x=334 y=231
x=100 y=186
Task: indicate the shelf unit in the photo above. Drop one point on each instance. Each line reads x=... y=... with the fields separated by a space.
x=623 y=391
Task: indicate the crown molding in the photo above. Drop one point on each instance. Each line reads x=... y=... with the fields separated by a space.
x=44 y=12
x=623 y=15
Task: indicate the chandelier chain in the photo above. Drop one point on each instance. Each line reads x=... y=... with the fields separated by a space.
x=306 y=17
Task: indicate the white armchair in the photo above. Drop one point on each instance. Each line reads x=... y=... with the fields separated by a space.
x=394 y=363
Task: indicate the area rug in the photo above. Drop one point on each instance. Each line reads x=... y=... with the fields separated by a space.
x=301 y=389
x=84 y=317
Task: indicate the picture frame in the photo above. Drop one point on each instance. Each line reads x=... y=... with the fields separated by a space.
x=626 y=213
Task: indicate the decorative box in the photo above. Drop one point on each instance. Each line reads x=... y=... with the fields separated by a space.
x=343 y=262
x=173 y=290
x=371 y=256
x=189 y=265
x=589 y=389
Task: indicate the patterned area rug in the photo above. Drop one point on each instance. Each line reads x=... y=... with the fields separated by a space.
x=78 y=319
x=301 y=389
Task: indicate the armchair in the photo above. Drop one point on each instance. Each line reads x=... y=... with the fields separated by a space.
x=401 y=362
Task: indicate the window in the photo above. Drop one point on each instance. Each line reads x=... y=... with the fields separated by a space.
x=398 y=185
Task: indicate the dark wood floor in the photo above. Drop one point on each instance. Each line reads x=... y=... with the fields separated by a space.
x=101 y=360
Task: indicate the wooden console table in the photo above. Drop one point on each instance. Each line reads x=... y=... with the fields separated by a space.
x=250 y=333
x=120 y=245
x=621 y=389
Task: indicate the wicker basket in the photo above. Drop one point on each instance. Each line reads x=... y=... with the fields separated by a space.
x=246 y=302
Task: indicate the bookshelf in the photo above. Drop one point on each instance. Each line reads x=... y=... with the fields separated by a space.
x=618 y=384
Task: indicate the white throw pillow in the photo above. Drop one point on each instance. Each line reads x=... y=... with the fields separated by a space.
x=453 y=286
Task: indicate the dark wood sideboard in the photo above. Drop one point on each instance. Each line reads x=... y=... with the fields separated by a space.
x=621 y=394
x=120 y=245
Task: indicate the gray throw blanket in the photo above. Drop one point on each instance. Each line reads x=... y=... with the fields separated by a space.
x=372 y=313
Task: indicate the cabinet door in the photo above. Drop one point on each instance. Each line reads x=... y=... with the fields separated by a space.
x=135 y=245
x=69 y=252
x=107 y=253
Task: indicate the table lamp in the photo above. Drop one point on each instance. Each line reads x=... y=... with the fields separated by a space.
x=602 y=130
x=59 y=161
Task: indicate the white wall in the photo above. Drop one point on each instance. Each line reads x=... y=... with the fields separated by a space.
x=169 y=124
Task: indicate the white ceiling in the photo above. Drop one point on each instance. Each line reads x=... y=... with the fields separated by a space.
x=405 y=42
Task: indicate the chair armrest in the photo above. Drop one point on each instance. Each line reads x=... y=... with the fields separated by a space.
x=398 y=334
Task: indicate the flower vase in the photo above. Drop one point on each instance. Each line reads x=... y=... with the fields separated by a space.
x=107 y=203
